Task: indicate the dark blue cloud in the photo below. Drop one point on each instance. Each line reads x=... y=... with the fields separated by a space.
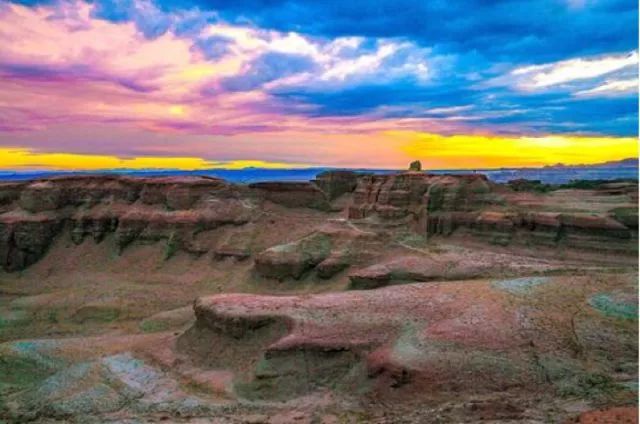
x=192 y=22
x=149 y=20
x=515 y=31
x=495 y=108
x=114 y=10
x=213 y=47
x=508 y=30
x=268 y=67
x=368 y=97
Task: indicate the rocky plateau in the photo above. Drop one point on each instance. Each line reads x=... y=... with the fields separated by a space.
x=385 y=298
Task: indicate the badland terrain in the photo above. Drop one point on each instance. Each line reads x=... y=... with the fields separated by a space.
x=397 y=298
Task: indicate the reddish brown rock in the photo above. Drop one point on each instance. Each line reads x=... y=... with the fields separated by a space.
x=175 y=210
x=237 y=244
x=336 y=262
x=25 y=238
x=615 y=415
x=292 y=194
x=295 y=258
x=595 y=224
x=10 y=192
x=412 y=196
x=409 y=341
x=336 y=183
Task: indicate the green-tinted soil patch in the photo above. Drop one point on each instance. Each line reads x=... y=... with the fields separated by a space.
x=520 y=285
x=281 y=375
x=572 y=380
x=23 y=366
x=12 y=318
x=613 y=306
x=153 y=326
x=96 y=313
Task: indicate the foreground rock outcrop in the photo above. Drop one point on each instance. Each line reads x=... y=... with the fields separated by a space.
x=407 y=340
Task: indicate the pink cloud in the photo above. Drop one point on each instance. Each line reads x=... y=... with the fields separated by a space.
x=71 y=82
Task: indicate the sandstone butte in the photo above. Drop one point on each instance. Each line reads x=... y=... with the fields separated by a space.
x=397 y=298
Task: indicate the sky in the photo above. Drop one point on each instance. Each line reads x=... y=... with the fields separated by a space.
x=195 y=84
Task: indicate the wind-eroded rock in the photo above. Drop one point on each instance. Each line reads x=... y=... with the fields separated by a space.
x=96 y=206
x=25 y=238
x=330 y=249
x=295 y=258
x=446 y=266
x=337 y=183
x=178 y=210
x=410 y=197
x=404 y=341
x=576 y=230
x=293 y=194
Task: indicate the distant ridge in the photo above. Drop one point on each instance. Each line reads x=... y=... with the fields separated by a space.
x=624 y=163
x=550 y=174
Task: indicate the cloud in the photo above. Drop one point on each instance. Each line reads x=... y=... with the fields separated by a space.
x=150 y=20
x=612 y=88
x=213 y=47
x=265 y=68
x=170 y=80
x=566 y=71
x=511 y=31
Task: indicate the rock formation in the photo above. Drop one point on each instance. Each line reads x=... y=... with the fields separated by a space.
x=406 y=297
x=178 y=210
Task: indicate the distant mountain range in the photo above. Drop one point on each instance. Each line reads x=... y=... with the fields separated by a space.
x=551 y=174
x=622 y=163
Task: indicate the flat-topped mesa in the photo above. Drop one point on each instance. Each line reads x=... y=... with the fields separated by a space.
x=471 y=204
x=292 y=194
x=410 y=196
x=185 y=213
x=337 y=183
x=174 y=210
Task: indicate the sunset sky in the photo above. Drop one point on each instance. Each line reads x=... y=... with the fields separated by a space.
x=291 y=83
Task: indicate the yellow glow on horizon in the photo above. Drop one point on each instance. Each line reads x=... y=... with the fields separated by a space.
x=477 y=151
x=391 y=150
x=18 y=158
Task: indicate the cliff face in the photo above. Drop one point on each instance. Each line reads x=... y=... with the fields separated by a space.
x=177 y=210
x=444 y=205
x=133 y=210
